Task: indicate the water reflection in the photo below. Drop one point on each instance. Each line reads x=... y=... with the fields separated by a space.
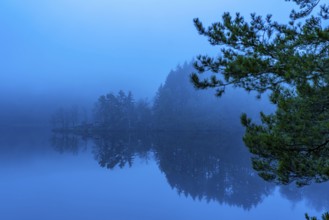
x=314 y=194
x=203 y=166
x=120 y=149
x=211 y=167
x=66 y=142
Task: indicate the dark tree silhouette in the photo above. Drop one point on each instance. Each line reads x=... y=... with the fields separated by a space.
x=291 y=61
x=178 y=106
x=292 y=144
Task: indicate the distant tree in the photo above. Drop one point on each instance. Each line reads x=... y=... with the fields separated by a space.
x=61 y=119
x=120 y=112
x=178 y=106
x=100 y=111
x=292 y=62
x=74 y=115
x=108 y=111
x=143 y=116
x=66 y=118
x=127 y=106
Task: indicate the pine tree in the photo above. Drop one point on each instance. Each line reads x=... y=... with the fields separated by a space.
x=291 y=62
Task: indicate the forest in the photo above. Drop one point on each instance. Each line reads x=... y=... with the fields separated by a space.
x=100 y=116
x=177 y=106
x=288 y=63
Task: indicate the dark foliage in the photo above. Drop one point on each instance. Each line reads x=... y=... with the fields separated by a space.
x=120 y=112
x=178 y=106
x=291 y=61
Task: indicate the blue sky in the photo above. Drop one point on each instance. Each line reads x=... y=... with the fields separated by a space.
x=84 y=48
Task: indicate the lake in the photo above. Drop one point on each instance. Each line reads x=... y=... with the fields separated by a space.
x=176 y=175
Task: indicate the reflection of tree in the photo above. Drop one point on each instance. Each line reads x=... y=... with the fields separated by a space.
x=66 y=142
x=211 y=167
x=203 y=166
x=314 y=195
x=292 y=144
x=119 y=149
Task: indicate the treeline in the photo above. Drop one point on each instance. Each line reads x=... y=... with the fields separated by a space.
x=121 y=112
x=177 y=105
x=67 y=118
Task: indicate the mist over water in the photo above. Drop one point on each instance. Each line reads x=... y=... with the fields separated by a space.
x=195 y=175
x=169 y=151
x=69 y=52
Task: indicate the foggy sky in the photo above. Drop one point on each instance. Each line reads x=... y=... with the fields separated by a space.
x=73 y=50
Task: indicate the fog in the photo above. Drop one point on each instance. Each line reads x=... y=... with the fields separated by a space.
x=75 y=143
x=65 y=52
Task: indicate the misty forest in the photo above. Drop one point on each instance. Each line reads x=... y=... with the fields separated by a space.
x=98 y=121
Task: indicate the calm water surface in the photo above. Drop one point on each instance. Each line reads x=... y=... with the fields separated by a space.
x=128 y=176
